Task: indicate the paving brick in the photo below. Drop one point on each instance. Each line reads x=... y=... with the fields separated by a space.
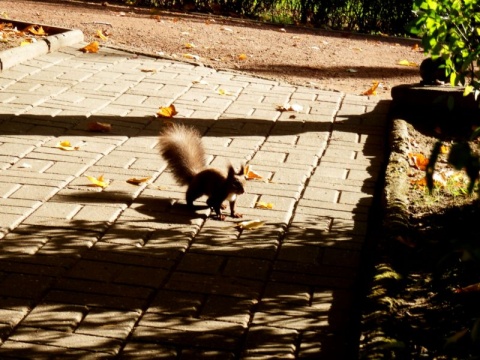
x=34 y=192
x=108 y=323
x=66 y=340
x=55 y=317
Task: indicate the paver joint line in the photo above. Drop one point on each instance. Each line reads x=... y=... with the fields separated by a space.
x=128 y=269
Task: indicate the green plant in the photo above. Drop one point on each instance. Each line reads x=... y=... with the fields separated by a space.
x=450 y=29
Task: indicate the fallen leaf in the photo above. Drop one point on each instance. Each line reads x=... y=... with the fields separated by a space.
x=138 y=181
x=98 y=182
x=224 y=92
x=27 y=41
x=149 y=70
x=264 y=205
x=415 y=47
x=250 y=224
x=66 y=145
x=191 y=56
x=201 y=82
x=407 y=63
x=418 y=160
x=93 y=47
x=251 y=175
x=167 y=111
x=101 y=35
x=242 y=57
x=189 y=46
x=96 y=126
x=352 y=70
x=372 y=90
x=35 y=30
x=283 y=30
x=290 y=107
x=444 y=149
x=25 y=166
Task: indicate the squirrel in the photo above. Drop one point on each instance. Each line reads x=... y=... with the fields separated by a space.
x=432 y=71
x=181 y=147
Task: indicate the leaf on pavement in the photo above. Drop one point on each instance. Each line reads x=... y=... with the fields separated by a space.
x=242 y=57
x=66 y=145
x=93 y=47
x=264 y=205
x=290 y=107
x=250 y=224
x=167 y=111
x=251 y=175
x=98 y=182
x=96 y=126
x=138 y=181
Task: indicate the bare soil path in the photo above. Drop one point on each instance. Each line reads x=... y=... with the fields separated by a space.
x=324 y=59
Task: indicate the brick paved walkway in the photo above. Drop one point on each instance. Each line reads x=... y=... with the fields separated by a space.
x=128 y=272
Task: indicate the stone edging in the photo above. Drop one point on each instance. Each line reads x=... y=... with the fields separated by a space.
x=60 y=37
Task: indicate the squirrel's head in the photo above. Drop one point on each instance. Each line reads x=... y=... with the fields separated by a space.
x=236 y=180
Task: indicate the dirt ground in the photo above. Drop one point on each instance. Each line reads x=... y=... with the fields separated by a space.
x=304 y=56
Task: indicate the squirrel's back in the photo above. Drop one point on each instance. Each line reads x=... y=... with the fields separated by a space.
x=181 y=147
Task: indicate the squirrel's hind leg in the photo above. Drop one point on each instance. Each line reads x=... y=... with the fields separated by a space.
x=192 y=195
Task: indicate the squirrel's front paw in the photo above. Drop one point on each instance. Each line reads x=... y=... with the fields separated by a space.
x=237 y=215
x=220 y=217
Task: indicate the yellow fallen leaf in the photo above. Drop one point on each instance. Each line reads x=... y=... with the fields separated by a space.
x=66 y=145
x=264 y=205
x=98 y=182
x=138 y=181
x=250 y=224
x=96 y=126
x=415 y=47
x=444 y=149
x=93 y=47
x=35 y=30
x=101 y=35
x=372 y=90
x=251 y=175
x=167 y=111
x=191 y=56
x=242 y=57
x=189 y=46
x=407 y=63
x=224 y=92
x=27 y=41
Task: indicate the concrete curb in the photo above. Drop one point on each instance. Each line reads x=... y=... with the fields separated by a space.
x=60 y=37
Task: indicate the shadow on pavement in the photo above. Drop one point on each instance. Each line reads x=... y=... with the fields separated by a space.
x=136 y=274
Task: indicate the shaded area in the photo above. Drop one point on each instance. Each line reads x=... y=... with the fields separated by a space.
x=133 y=263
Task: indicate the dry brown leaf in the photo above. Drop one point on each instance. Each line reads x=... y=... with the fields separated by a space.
x=250 y=174
x=138 y=181
x=96 y=126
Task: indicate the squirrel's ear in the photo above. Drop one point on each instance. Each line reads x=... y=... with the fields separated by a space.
x=231 y=171
x=241 y=172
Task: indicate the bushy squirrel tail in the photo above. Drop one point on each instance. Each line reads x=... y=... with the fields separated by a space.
x=181 y=147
